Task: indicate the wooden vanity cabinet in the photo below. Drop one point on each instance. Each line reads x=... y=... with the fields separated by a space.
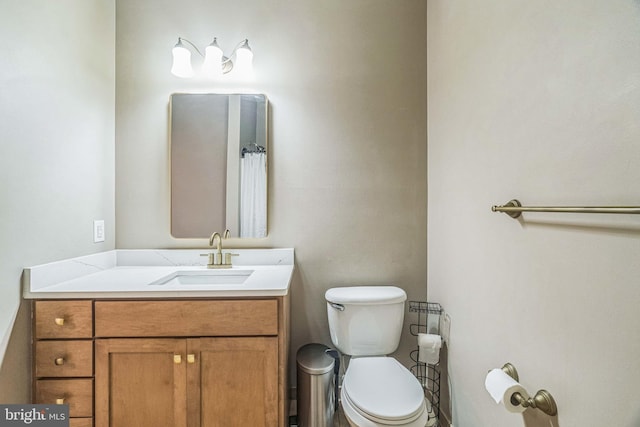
x=190 y=363
x=187 y=382
x=63 y=357
x=139 y=384
x=232 y=382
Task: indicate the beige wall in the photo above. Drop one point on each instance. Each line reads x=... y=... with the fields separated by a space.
x=346 y=83
x=537 y=101
x=57 y=78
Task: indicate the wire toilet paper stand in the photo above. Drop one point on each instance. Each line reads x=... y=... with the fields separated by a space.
x=427 y=320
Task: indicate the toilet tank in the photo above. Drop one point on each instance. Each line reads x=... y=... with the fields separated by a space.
x=366 y=320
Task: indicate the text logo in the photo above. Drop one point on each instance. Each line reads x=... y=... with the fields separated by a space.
x=34 y=415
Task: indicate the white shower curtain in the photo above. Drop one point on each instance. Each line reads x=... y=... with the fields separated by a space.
x=253 y=195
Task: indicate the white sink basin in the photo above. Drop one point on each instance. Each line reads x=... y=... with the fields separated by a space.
x=205 y=277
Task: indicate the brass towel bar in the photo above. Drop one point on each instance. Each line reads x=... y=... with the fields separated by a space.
x=514 y=209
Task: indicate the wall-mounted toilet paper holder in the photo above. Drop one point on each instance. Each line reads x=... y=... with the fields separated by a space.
x=542 y=400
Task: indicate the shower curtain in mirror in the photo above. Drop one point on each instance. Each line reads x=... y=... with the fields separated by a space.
x=253 y=195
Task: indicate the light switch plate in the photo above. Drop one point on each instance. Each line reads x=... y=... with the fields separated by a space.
x=98 y=231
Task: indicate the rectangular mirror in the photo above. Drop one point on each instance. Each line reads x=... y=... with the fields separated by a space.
x=218 y=165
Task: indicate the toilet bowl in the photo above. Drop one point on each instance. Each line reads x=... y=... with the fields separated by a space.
x=379 y=391
x=365 y=323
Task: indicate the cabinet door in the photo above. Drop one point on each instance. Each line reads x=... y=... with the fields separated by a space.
x=140 y=382
x=232 y=382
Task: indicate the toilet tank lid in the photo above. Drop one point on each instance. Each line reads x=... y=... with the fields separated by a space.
x=366 y=295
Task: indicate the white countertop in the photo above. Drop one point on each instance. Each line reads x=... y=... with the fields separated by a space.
x=136 y=274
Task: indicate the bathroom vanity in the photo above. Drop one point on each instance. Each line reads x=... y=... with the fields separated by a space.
x=188 y=354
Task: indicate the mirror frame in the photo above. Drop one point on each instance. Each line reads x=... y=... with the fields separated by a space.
x=229 y=214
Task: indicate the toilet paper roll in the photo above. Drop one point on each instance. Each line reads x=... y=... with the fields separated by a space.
x=429 y=348
x=501 y=387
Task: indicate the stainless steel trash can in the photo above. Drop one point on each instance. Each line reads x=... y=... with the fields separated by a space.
x=315 y=385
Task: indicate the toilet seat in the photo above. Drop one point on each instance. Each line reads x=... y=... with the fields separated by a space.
x=383 y=392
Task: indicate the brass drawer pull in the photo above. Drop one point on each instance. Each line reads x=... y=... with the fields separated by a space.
x=59 y=321
x=191 y=358
x=59 y=361
x=177 y=359
x=60 y=401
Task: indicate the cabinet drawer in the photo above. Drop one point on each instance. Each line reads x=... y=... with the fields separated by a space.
x=77 y=393
x=63 y=319
x=186 y=318
x=64 y=359
x=80 y=422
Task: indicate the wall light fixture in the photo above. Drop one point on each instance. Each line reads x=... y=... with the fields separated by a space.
x=215 y=63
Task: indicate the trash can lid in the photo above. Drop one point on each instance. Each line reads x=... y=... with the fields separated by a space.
x=312 y=359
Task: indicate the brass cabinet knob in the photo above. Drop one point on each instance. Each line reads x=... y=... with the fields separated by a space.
x=177 y=359
x=59 y=361
x=191 y=358
x=59 y=321
x=60 y=401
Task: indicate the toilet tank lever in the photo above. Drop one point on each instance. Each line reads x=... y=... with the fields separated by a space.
x=338 y=307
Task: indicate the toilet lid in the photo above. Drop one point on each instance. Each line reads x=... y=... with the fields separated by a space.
x=383 y=389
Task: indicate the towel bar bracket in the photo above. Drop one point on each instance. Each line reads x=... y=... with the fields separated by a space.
x=511 y=204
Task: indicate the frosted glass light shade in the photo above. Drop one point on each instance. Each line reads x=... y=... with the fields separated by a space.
x=212 y=66
x=243 y=66
x=240 y=62
x=181 y=61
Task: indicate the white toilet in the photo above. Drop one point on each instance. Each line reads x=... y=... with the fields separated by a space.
x=365 y=323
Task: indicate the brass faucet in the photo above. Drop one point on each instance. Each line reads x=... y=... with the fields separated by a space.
x=218 y=259
x=215 y=259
